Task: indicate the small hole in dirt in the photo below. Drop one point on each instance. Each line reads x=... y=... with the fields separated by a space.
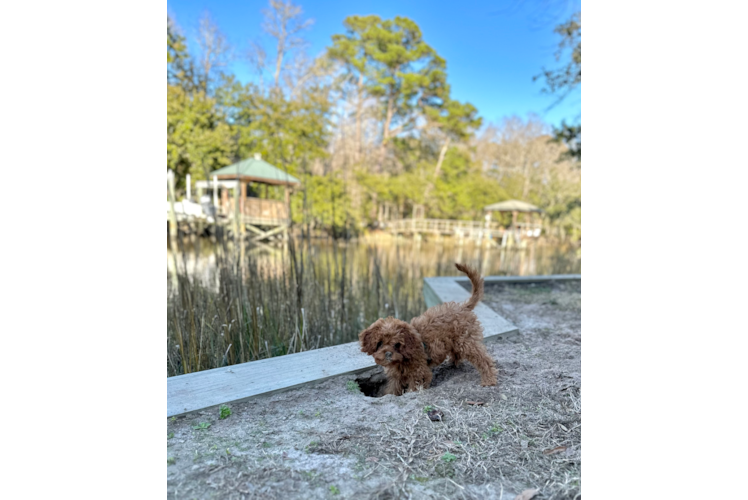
x=372 y=383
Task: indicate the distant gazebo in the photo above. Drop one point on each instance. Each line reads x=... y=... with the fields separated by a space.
x=516 y=207
x=257 y=211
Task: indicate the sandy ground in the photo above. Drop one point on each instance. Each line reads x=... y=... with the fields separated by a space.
x=330 y=440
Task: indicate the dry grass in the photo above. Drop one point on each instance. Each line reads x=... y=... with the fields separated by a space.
x=475 y=444
x=526 y=434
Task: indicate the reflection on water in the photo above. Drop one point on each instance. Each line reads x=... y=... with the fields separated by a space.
x=420 y=259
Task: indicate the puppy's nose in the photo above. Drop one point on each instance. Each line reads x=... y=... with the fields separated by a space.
x=388 y=355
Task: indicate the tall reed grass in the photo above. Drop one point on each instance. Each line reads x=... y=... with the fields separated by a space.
x=253 y=308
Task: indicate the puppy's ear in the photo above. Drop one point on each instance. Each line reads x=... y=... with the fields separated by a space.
x=411 y=341
x=370 y=337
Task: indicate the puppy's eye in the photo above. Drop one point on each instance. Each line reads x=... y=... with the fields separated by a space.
x=379 y=345
x=397 y=346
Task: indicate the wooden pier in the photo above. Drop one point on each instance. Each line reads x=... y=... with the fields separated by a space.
x=244 y=201
x=463 y=229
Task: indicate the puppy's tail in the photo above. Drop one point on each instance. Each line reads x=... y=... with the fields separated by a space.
x=477 y=282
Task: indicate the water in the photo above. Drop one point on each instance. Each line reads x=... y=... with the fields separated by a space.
x=420 y=259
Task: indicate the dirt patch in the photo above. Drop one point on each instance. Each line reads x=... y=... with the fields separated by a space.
x=330 y=440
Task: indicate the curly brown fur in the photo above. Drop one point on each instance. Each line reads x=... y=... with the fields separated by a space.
x=408 y=351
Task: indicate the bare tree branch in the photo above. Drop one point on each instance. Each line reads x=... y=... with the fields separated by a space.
x=215 y=51
x=283 y=22
x=257 y=56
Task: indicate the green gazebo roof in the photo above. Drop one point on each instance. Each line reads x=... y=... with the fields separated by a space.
x=256 y=169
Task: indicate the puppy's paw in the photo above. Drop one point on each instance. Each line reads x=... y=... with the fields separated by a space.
x=488 y=383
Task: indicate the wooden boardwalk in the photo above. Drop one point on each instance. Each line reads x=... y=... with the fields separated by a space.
x=442 y=227
x=471 y=229
x=236 y=383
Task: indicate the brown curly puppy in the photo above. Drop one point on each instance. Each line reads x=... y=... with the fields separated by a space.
x=408 y=351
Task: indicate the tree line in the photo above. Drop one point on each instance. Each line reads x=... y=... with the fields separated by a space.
x=369 y=126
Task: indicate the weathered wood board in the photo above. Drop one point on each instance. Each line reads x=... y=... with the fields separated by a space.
x=231 y=384
x=438 y=290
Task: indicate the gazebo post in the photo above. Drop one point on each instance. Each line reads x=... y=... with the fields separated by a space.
x=224 y=200
x=215 y=190
x=266 y=198
x=243 y=187
x=287 y=198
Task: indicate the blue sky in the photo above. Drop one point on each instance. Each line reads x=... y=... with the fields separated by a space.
x=492 y=49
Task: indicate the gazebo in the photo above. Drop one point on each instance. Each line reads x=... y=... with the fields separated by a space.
x=257 y=211
x=516 y=207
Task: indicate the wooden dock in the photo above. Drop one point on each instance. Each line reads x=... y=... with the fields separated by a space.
x=462 y=229
x=249 y=207
x=257 y=220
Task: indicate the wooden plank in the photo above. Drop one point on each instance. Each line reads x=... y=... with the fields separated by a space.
x=235 y=383
x=267 y=234
x=260 y=221
x=255 y=230
x=529 y=279
x=448 y=290
x=264 y=209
